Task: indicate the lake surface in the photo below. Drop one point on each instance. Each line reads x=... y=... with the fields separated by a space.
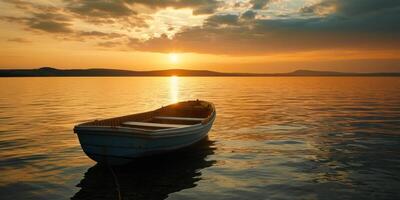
x=274 y=138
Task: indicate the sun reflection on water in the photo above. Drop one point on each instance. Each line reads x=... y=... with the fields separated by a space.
x=174 y=89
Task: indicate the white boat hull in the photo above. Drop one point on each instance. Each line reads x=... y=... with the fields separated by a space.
x=121 y=145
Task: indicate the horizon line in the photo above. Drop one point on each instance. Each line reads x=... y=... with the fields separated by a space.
x=194 y=70
x=105 y=72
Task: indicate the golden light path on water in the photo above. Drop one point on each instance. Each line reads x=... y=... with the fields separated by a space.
x=174 y=89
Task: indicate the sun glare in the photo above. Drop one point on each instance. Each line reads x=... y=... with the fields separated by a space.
x=174 y=88
x=173 y=58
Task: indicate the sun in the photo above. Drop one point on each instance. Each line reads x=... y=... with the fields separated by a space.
x=173 y=58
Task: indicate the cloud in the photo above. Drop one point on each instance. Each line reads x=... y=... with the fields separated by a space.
x=259 y=4
x=320 y=9
x=346 y=8
x=68 y=15
x=19 y=40
x=49 y=22
x=120 y=8
x=109 y=44
x=99 y=34
x=100 y=8
x=248 y=15
x=362 y=7
x=348 y=27
x=198 y=6
x=51 y=26
x=62 y=18
x=328 y=24
x=222 y=20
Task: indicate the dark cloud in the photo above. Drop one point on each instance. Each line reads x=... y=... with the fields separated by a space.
x=50 y=22
x=11 y=19
x=19 y=4
x=31 y=6
x=348 y=8
x=98 y=12
x=248 y=15
x=106 y=12
x=39 y=17
x=19 y=40
x=222 y=20
x=348 y=27
x=59 y=19
x=109 y=44
x=206 y=9
x=318 y=8
x=357 y=16
x=51 y=16
x=259 y=4
x=99 y=34
x=362 y=7
x=50 y=26
x=330 y=24
x=245 y=41
x=100 y=8
x=119 y=8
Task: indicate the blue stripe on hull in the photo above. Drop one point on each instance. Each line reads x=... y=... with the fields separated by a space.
x=120 y=160
x=121 y=149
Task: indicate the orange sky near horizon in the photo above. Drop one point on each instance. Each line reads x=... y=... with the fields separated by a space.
x=227 y=36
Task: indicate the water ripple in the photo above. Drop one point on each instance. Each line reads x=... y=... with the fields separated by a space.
x=274 y=138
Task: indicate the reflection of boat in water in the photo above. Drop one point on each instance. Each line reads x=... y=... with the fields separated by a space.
x=119 y=140
x=148 y=177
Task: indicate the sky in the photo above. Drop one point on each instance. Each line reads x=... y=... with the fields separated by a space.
x=228 y=36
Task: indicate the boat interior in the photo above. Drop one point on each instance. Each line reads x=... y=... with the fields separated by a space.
x=178 y=115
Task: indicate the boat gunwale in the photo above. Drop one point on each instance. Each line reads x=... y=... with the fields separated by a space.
x=127 y=132
x=146 y=133
x=126 y=129
x=119 y=127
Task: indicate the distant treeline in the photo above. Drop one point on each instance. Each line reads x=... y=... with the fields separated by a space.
x=53 y=72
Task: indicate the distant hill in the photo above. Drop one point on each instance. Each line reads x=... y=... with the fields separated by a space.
x=53 y=72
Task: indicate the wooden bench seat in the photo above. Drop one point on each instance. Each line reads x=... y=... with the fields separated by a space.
x=154 y=125
x=180 y=118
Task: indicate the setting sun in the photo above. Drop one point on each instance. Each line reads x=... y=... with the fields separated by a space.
x=173 y=58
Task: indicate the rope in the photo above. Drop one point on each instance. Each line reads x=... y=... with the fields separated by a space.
x=116 y=182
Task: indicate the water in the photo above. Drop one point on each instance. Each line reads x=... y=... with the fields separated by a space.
x=274 y=138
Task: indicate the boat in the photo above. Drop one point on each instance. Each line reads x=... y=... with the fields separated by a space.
x=120 y=140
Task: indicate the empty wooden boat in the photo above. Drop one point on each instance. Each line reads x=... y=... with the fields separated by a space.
x=119 y=140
